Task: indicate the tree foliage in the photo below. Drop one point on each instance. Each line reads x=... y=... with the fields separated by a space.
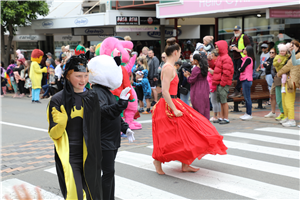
x=15 y=14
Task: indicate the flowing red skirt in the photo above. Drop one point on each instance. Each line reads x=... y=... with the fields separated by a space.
x=183 y=138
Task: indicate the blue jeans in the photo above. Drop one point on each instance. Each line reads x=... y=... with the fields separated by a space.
x=185 y=98
x=247 y=91
x=46 y=89
x=269 y=80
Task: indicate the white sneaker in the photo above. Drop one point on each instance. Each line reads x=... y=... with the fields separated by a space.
x=284 y=120
x=241 y=117
x=270 y=115
x=247 y=117
x=289 y=123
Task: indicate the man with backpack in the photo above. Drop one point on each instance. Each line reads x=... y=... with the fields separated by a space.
x=236 y=45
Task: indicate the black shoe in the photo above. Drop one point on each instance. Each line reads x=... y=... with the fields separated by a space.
x=33 y=101
x=153 y=103
x=224 y=122
x=217 y=121
x=37 y=102
x=141 y=110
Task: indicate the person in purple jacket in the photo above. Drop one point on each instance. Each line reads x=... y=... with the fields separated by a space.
x=199 y=85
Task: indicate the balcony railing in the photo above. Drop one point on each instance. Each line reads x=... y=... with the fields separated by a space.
x=133 y=5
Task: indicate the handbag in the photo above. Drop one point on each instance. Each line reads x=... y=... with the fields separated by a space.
x=183 y=90
x=256 y=75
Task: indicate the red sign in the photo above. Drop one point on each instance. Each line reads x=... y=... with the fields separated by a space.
x=287 y=13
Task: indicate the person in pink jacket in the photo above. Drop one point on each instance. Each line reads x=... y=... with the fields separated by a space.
x=246 y=77
x=223 y=73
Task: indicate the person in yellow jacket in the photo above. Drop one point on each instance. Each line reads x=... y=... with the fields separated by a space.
x=36 y=74
x=293 y=82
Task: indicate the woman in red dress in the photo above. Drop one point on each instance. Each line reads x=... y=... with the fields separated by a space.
x=180 y=132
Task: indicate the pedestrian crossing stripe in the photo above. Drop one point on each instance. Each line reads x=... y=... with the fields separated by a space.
x=229 y=183
x=7 y=188
x=264 y=138
x=253 y=164
x=129 y=189
x=279 y=130
x=262 y=149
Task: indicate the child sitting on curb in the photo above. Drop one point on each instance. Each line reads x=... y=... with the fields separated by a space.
x=141 y=77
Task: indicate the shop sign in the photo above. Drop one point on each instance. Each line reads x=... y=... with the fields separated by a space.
x=127 y=20
x=47 y=24
x=136 y=28
x=168 y=33
x=106 y=31
x=202 y=7
x=81 y=21
x=287 y=13
x=29 y=38
x=149 y=21
x=66 y=38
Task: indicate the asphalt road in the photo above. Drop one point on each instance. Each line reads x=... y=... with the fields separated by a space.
x=262 y=160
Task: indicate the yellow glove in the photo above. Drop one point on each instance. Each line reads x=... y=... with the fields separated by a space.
x=61 y=118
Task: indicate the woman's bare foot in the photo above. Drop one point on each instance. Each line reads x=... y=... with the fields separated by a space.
x=158 y=168
x=187 y=168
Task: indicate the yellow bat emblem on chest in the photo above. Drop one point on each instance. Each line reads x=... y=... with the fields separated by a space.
x=77 y=113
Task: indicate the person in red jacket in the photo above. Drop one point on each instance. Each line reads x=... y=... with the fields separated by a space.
x=222 y=78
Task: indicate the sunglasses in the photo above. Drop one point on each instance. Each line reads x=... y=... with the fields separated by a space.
x=272 y=52
x=163 y=57
x=264 y=47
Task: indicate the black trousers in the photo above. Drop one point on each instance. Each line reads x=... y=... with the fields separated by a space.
x=139 y=92
x=237 y=63
x=21 y=87
x=108 y=174
x=78 y=176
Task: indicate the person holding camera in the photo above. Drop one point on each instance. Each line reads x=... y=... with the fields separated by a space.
x=236 y=46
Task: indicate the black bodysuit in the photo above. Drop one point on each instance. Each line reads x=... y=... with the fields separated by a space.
x=75 y=134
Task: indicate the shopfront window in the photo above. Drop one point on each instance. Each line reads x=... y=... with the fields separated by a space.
x=226 y=26
x=59 y=44
x=271 y=31
x=27 y=48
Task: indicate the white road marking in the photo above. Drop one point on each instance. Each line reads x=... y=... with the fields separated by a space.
x=253 y=164
x=279 y=130
x=23 y=126
x=218 y=180
x=7 y=188
x=261 y=149
x=264 y=138
x=129 y=189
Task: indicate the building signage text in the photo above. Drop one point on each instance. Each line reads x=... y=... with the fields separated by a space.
x=168 y=33
x=81 y=21
x=125 y=20
x=136 y=28
x=106 y=31
x=47 y=24
x=149 y=21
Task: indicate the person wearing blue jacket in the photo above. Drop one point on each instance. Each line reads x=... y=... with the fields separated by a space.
x=141 y=77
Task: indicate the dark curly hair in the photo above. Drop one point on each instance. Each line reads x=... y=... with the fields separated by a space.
x=202 y=63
